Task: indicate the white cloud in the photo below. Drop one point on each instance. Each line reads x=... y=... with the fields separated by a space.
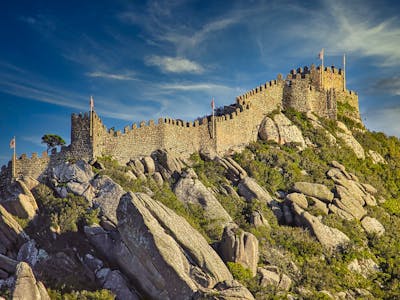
x=174 y=64
x=345 y=27
x=193 y=86
x=105 y=75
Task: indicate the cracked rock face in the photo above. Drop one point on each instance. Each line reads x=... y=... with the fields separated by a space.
x=281 y=130
x=189 y=189
x=168 y=258
x=239 y=246
x=26 y=286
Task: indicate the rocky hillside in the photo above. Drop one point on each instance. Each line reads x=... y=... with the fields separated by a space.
x=310 y=211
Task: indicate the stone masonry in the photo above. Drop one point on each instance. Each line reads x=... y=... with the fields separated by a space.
x=305 y=89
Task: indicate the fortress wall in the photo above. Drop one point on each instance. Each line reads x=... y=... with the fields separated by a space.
x=182 y=138
x=5 y=177
x=333 y=78
x=297 y=93
x=80 y=136
x=133 y=142
x=185 y=138
x=265 y=98
x=236 y=129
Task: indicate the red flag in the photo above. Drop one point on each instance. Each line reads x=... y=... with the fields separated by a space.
x=91 y=103
x=212 y=103
x=12 y=143
x=321 y=54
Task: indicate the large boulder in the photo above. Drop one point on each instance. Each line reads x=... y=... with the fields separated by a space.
x=289 y=133
x=297 y=198
x=189 y=189
x=234 y=171
x=270 y=275
x=330 y=238
x=166 y=256
x=80 y=172
x=281 y=130
x=73 y=178
x=372 y=226
x=8 y=264
x=28 y=253
x=19 y=201
x=240 y=247
x=167 y=163
x=268 y=131
x=26 y=286
x=250 y=189
x=345 y=134
x=149 y=165
x=316 y=190
x=348 y=203
x=365 y=267
x=106 y=196
x=115 y=282
x=226 y=290
x=12 y=236
x=376 y=157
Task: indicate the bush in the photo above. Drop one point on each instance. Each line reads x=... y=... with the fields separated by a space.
x=81 y=295
x=239 y=272
x=64 y=213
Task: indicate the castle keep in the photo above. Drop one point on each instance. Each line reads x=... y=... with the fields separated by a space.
x=306 y=89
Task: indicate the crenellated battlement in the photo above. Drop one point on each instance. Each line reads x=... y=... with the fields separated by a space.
x=304 y=89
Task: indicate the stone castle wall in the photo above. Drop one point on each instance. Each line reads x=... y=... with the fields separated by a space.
x=304 y=89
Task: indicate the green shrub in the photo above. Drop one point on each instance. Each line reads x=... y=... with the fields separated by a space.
x=239 y=272
x=64 y=213
x=81 y=295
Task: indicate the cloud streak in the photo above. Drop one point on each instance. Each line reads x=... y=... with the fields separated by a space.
x=174 y=64
x=112 y=76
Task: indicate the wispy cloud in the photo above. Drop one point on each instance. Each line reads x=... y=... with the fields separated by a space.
x=193 y=86
x=344 y=26
x=174 y=64
x=104 y=75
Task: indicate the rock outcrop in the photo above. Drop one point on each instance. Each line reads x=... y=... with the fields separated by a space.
x=240 y=247
x=270 y=275
x=345 y=134
x=281 y=130
x=365 y=267
x=19 y=201
x=330 y=238
x=372 y=226
x=189 y=189
x=316 y=190
x=12 y=236
x=250 y=189
x=162 y=252
x=26 y=286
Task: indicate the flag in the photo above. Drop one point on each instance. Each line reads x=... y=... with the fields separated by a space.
x=91 y=103
x=321 y=54
x=12 y=143
x=212 y=103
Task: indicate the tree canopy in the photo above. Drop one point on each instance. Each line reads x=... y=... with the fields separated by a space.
x=52 y=141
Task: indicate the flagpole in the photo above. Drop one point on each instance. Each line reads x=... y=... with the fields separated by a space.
x=344 y=72
x=322 y=66
x=213 y=117
x=91 y=116
x=14 y=159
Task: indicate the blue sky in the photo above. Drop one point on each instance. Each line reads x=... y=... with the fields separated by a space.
x=145 y=59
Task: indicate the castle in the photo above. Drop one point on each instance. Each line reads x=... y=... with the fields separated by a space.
x=314 y=89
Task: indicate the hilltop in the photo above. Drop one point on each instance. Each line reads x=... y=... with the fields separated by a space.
x=283 y=195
